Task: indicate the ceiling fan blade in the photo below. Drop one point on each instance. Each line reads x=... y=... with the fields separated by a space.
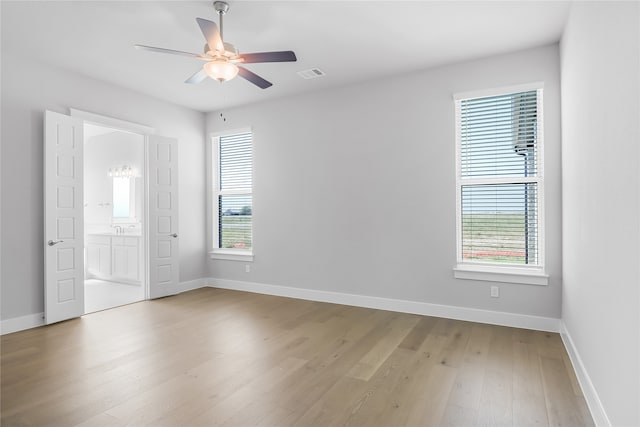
x=254 y=78
x=281 y=56
x=171 y=51
x=211 y=34
x=197 y=77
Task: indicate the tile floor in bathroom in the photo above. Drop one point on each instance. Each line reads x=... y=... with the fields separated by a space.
x=101 y=295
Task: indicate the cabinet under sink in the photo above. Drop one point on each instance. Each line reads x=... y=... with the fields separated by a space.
x=114 y=258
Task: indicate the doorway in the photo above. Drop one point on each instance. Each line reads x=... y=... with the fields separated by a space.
x=114 y=218
x=66 y=256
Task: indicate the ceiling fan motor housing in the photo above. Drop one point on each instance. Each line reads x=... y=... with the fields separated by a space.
x=230 y=51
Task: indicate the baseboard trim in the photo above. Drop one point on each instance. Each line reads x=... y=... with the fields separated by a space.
x=588 y=390
x=17 y=324
x=427 y=309
x=190 y=285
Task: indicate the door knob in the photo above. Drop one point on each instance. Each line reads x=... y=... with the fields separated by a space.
x=54 y=242
x=174 y=235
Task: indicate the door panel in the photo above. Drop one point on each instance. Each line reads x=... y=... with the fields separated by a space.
x=163 y=217
x=64 y=219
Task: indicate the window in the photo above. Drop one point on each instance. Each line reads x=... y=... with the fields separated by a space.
x=233 y=200
x=499 y=182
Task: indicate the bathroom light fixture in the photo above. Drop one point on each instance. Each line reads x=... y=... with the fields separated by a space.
x=221 y=70
x=124 y=172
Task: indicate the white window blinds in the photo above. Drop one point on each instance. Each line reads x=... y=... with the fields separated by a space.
x=234 y=191
x=499 y=180
x=235 y=161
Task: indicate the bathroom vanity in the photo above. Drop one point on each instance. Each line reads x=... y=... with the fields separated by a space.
x=114 y=257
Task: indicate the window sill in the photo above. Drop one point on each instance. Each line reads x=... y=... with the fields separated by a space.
x=230 y=255
x=522 y=276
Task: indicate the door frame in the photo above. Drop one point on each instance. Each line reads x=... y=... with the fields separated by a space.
x=145 y=132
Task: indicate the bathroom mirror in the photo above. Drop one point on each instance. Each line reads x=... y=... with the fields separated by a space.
x=123 y=189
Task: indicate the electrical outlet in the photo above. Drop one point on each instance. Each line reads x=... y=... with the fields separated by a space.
x=247 y=268
x=495 y=292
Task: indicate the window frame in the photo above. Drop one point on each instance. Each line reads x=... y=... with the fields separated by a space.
x=216 y=252
x=491 y=271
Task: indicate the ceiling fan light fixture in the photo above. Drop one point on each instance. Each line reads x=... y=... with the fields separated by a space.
x=221 y=70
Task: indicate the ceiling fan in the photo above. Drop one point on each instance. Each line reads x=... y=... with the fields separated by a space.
x=221 y=58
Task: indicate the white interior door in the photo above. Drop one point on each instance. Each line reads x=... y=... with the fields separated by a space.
x=164 y=254
x=64 y=218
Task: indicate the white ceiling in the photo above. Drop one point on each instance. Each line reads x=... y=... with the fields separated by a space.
x=350 y=41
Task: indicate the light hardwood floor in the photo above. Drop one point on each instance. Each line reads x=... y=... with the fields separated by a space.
x=218 y=357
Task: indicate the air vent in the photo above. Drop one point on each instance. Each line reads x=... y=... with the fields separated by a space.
x=311 y=73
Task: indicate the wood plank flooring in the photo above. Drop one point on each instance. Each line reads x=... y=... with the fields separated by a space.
x=217 y=357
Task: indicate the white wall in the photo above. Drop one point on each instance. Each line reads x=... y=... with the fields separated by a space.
x=29 y=88
x=601 y=209
x=354 y=188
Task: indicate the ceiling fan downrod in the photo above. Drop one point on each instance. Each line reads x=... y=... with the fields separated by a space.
x=221 y=7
